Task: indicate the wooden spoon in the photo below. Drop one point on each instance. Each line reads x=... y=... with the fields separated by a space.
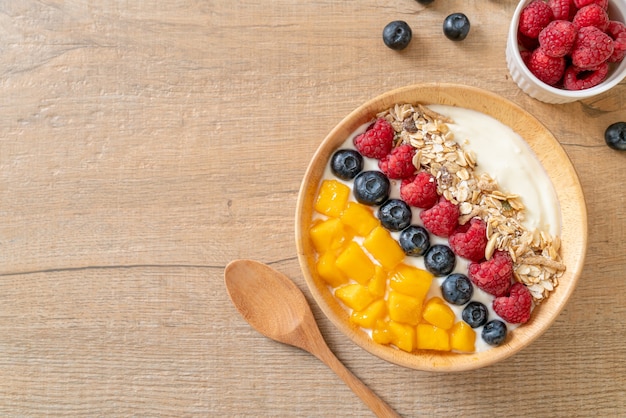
x=276 y=308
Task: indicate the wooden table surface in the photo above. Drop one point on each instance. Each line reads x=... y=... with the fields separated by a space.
x=145 y=144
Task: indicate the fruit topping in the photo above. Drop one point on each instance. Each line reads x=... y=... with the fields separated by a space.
x=615 y=136
x=395 y=214
x=516 y=307
x=414 y=240
x=441 y=219
x=439 y=260
x=475 y=314
x=420 y=190
x=398 y=164
x=346 y=164
x=371 y=188
x=534 y=18
x=456 y=26
x=494 y=332
x=470 y=240
x=562 y=9
x=617 y=32
x=376 y=141
x=493 y=276
x=457 y=289
x=397 y=34
x=332 y=198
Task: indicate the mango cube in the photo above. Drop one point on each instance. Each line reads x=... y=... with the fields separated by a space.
x=410 y=280
x=402 y=336
x=403 y=308
x=378 y=283
x=430 y=337
x=354 y=263
x=332 y=198
x=354 y=296
x=367 y=317
x=438 y=314
x=360 y=218
x=328 y=271
x=381 y=333
x=329 y=234
x=383 y=247
x=462 y=337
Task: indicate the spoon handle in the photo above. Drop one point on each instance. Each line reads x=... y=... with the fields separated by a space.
x=376 y=404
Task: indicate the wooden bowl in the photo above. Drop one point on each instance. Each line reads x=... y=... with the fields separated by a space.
x=554 y=160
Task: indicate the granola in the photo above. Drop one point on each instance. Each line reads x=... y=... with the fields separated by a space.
x=535 y=253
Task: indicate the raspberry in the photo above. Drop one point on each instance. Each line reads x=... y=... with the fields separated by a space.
x=592 y=15
x=579 y=4
x=494 y=275
x=561 y=9
x=516 y=307
x=420 y=191
x=534 y=18
x=399 y=163
x=546 y=68
x=578 y=79
x=470 y=240
x=557 y=39
x=441 y=219
x=617 y=31
x=376 y=141
x=592 y=48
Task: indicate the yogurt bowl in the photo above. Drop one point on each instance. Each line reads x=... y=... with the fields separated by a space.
x=473 y=112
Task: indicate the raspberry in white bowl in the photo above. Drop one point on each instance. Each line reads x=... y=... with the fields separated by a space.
x=560 y=51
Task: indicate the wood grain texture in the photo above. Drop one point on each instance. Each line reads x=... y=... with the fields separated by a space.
x=145 y=144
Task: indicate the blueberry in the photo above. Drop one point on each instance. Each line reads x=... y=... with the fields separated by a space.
x=494 y=332
x=615 y=136
x=425 y=1
x=414 y=240
x=371 y=188
x=475 y=314
x=395 y=214
x=439 y=260
x=397 y=35
x=456 y=26
x=457 y=289
x=346 y=163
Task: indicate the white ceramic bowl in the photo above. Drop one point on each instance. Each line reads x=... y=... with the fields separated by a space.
x=539 y=90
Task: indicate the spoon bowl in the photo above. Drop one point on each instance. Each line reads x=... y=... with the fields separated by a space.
x=274 y=306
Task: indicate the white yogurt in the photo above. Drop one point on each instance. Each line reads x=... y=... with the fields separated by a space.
x=507 y=158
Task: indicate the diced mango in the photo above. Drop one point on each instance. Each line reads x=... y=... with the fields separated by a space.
x=410 y=280
x=402 y=336
x=367 y=317
x=462 y=337
x=360 y=218
x=381 y=333
x=430 y=337
x=328 y=271
x=332 y=198
x=329 y=234
x=378 y=283
x=404 y=308
x=384 y=248
x=438 y=314
x=354 y=263
x=355 y=296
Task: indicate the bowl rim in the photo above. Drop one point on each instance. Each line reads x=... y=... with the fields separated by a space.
x=552 y=157
x=612 y=80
